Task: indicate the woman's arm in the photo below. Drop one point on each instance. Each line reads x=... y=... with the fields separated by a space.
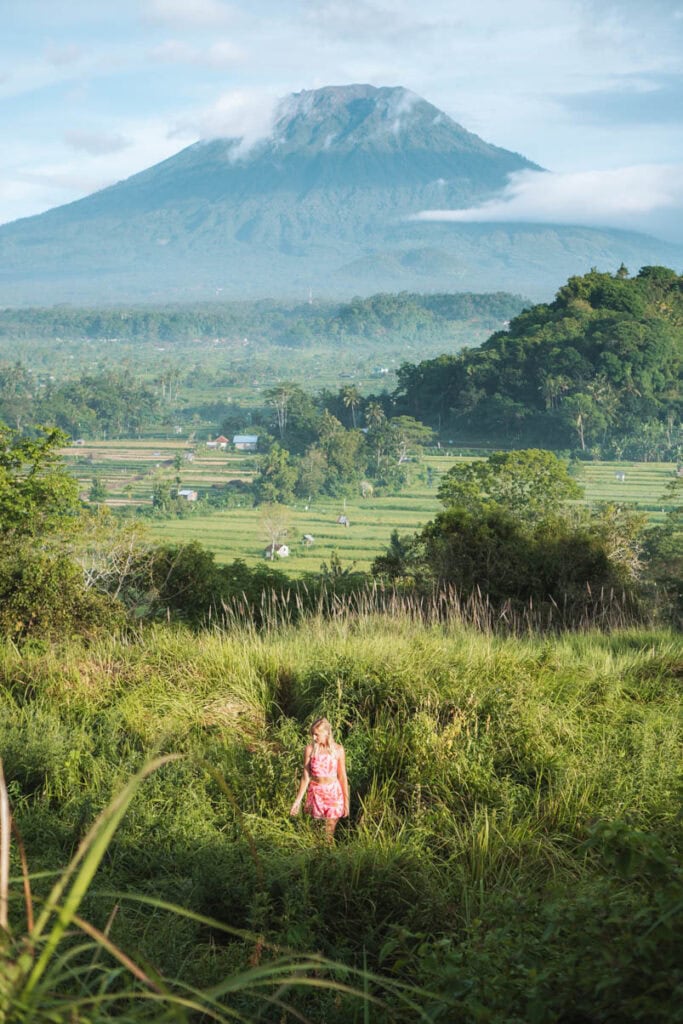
x=341 y=775
x=303 y=786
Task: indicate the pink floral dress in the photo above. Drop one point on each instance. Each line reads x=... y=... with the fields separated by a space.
x=324 y=799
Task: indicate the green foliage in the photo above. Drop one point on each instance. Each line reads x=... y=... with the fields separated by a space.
x=663 y=555
x=511 y=850
x=43 y=594
x=508 y=534
x=276 y=477
x=594 y=366
x=531 y=484
x=98 y=491
x=406 y=315
x=36 y=491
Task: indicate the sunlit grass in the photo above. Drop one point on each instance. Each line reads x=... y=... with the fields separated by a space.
x=480 y=767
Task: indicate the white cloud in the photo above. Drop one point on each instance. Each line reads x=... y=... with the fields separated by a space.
x=36 y=182
x=624 y=196
x=61 y=56
x=221 y=54
x=190 y=13
x=243 y=114
x=96 y=143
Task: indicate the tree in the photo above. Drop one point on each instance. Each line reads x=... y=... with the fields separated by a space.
x=274 y=522
x=276 y=477
x=98 y=490
x=351 y=398
x=36 y=491
x=296 y=415
x=345 y=454
x=531 y=484
x=312 y=469
x=591 y=366
x=374 y=415
x=410 y=436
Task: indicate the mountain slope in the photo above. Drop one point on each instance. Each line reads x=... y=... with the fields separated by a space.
x=325 y=202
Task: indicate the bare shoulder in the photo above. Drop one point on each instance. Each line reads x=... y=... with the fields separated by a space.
x=339 y=750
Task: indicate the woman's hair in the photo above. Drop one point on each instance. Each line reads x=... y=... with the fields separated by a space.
x=324 y=722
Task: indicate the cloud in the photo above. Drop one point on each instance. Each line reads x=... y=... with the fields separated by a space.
x=625 y=196
x=221 y=54
x=645 y=99
x=190 y=13
x=248 y=115
x=61 y=56
x=95 y=143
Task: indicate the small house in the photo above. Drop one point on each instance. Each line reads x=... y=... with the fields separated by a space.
x=280 y=551
x=187 y=494
x=343 y=520
x=245 y=442
x=308 y=539
x=212 y=444
x=222 y=442
x=620 y=476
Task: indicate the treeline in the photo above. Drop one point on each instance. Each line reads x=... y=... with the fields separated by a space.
x=508 y=537
x=598 y=370
x=380 y=317
x=111 y=404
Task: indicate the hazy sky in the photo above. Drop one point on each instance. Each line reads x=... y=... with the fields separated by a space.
x=92 y=91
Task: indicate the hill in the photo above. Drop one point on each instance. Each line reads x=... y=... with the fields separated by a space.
x=599 y=369
x=324 y=203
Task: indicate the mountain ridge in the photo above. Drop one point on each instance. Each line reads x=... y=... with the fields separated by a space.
x=323 y=201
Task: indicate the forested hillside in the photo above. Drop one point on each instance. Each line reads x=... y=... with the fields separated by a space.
x=598 y=369
x=382 y=317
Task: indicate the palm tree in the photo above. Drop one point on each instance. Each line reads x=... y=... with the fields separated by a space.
x=374 y=414
x=351 y=399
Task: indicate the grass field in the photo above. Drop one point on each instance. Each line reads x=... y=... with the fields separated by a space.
x=510 y=851
x=129 y=469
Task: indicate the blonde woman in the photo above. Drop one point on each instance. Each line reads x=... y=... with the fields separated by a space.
x=324 y=781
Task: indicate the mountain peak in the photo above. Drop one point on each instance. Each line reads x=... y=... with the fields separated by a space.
x=326 y=201
x=360 y=117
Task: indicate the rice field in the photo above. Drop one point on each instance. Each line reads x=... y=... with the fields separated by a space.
x=130 y=468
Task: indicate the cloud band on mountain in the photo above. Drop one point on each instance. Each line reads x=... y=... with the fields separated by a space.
x=622 y=197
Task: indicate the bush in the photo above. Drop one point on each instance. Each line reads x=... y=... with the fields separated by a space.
x=43 y=594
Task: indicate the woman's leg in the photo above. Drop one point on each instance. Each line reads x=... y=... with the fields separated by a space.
x=330 y=826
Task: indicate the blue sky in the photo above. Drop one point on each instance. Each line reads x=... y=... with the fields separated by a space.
x=91 y=92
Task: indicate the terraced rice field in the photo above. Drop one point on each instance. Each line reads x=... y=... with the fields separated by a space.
x=239 y=533
x=643 y=484
x=129 y=469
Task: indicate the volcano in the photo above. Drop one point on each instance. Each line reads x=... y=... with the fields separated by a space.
x=324 y=203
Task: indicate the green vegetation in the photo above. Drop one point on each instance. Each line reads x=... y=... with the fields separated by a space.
x=598 y=369
x=382 y=318
x=511 y=854
x=511 y=850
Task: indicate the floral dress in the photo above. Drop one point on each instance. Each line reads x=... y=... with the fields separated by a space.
x=324 y=799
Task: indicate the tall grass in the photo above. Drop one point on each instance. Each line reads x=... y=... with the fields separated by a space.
x=605 y=609
x=514 y=805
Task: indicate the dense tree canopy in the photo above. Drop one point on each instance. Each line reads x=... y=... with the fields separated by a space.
x=589 y=369
x=509 y=531
x=532 y=484
x=406 y=315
